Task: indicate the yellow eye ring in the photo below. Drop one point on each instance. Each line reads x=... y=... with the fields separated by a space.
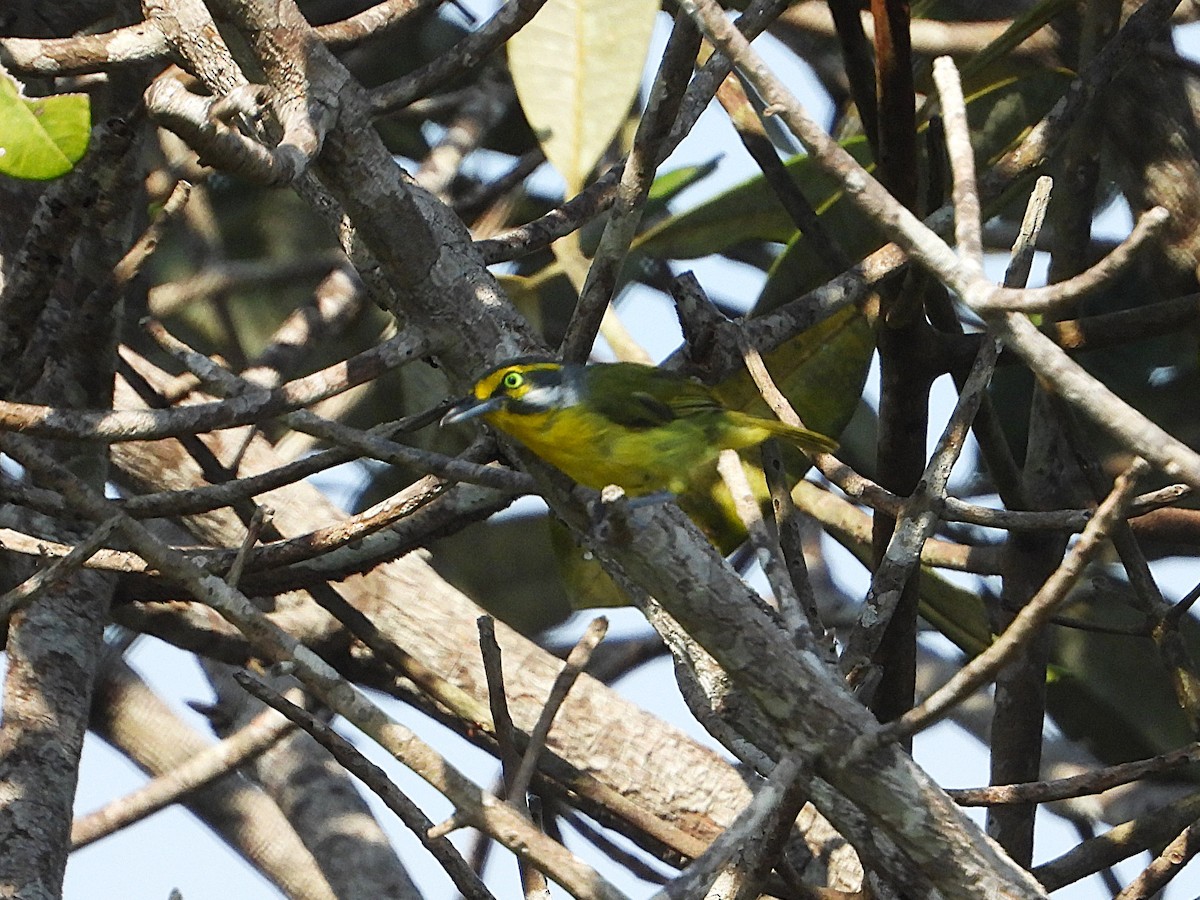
x=513 y=380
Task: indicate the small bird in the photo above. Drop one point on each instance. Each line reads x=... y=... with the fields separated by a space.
x=640 y=427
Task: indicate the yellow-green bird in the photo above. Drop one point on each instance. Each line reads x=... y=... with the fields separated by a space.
x=640 y=427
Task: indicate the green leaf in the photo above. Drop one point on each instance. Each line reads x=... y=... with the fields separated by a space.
x=749 y=211
x=800 y=268
x=41 y=138
x=1012 y=99
x=669 y=185
x=577 y=66
x=822 y=371
x=1008 y=101
x=1112 y=691
x=1024 y=25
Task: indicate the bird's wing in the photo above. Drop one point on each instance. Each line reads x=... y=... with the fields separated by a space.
x=638 y=410
x=661 y=398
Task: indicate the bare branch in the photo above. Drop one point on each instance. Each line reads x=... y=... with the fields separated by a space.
x=577 y=660
x=637 y=174
x=59 y=570
x=1033 y=615
x=1093 y=399
x=1077 y=785
x=376 y=779
x=473 y=804
x=217 y=761
x=470 y=52
x=52 y=57
x=138 y=425
x=1165 y=866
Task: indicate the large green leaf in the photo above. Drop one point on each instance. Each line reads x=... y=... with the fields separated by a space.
x=577 y=66
x=749 y=211
x=822 y=373
x=1006 y=101
x=1112 y=691
x=41 y=138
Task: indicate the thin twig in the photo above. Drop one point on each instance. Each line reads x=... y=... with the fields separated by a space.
x=377 y=780
x=744 y=117
x=373 y=22
x=253 y=529
x=919 y=518
x=1020 y=261
x=1165 y=866
x=1153 y=829
x=114 y=426
x=1180 y=609
x=599 y=839
x=59 y=569
x=791 y=544
x=852 y=527
x=221 y=759
x=577 y=660
x=766 y=549
x=464 y=56
x=1032 y=617
x=1070 y=290
x=363 y=442
x=699 y=876
x=493 y=669
x=1082 y=785
x=653 y=131
x=968 y=227
x=143 y=248
x=533 y=882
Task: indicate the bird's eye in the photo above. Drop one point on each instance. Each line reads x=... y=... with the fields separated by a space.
x=513 y=380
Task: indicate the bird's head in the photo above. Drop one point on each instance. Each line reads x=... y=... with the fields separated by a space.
x=518 y=387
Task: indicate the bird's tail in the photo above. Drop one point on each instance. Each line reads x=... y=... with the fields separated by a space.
x=809 y=441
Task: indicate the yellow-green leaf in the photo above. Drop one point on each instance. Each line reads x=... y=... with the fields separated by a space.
x=577 y=66
x=41 y=138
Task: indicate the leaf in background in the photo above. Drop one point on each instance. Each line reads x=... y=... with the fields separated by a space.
x=1112 y=691
x=41 y=138
x=822 y=372
x=747 y=212
x=670 y=184
x=799 y=269
x=577 y=66
x=1012 y=99
x=1024 y=25
x=1001 y=109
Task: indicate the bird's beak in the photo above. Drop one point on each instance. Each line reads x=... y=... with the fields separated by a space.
x=470 y=408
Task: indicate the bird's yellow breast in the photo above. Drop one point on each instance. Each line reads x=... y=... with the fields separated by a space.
x=596 y=451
